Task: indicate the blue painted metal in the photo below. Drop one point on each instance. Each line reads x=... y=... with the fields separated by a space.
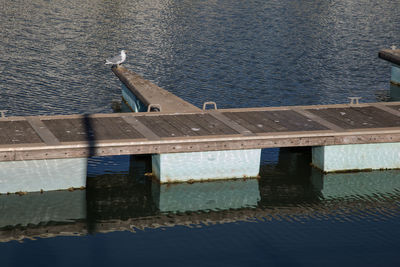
x=210 y=165
x=216 y=195
x=36 y=175
x=356 y=157
x=395 y=78
x=133 y=102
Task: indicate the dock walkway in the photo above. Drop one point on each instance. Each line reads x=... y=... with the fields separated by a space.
x=391 y=55
x=74 y=136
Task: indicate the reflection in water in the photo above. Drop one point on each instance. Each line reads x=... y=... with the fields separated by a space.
x=394 y=92
x=218 y=195
x=115 y=202
x=228 y=52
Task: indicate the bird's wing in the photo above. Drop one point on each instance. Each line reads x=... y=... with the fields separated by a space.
x=115 y=59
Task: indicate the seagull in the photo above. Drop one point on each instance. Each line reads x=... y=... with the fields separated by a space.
x=117 y=59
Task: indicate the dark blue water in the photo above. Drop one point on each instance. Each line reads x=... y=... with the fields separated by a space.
x=238 y=54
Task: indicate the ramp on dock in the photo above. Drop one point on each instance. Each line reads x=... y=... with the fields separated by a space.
x=74 y=136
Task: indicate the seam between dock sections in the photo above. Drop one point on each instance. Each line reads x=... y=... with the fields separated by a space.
x=318 y=119
x=44 y=133
x=387 y=109
x=141 y=128
x=230 y=123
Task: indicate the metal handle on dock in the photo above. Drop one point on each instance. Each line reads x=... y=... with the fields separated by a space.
x=154 y=107
x=3 y=113
x=354 y=100
x=209 y=103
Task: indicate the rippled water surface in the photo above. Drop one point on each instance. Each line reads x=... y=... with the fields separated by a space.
x=239 y=54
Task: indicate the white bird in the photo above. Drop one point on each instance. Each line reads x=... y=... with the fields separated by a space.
x=117 y=59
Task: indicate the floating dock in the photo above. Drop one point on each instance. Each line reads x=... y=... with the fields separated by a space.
x=77 y=136
x=191 y=144
x=393 y=56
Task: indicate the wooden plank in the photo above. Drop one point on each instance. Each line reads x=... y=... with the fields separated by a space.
x=251 y=122
x=140 y=127
x=174 y=128
x=149 y=93
x=123 y=133
x=395 y=110
x=192 y=122
x=295 y=121
x=17 y=132
x=365 y=116
x=4 y=137
x=260 y=117
x=43 y=132
x=276 y=118
x=81 y=130
x=179 y=123
x=232 y=124
x=319 y=120
x=127 y=132
x=211 y=124
x=65 y=130
x=154 y=123
x=391 y=55
x=381 y=117
x=346 y=118
x=161 y=126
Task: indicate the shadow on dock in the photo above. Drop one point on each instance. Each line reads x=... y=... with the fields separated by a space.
x=90 y=135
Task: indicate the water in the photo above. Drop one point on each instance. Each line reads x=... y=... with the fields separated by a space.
x=238 y=54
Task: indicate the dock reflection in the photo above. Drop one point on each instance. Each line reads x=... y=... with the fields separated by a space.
x=205 y=196
x=130 y=201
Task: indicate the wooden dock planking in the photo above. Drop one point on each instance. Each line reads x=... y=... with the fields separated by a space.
x=203 y=126
x=391 y=55
x=248 y=121
x=160 y=132
x=319 y=120
x=294 y=121
x=82 y=129
x=183 y=124
x=65 y=130
x=115 y=127
x=232 y=124
x=206 y=125
x=149 y=93
x=394 y=107
x=258 y=118
x=41 y=129
x=142 y=129
x=345 y=118
x=358 y=117
x=380 y=117
x=17 y=132
x=160 y=126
